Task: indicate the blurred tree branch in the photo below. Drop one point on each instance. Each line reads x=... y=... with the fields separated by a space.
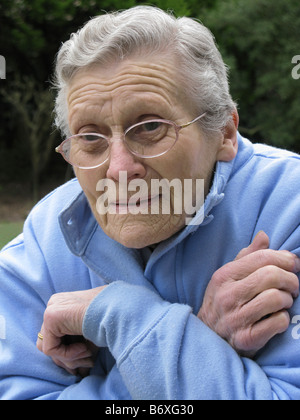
x=32 y=105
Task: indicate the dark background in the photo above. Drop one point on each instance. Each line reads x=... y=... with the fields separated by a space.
x=258 y=40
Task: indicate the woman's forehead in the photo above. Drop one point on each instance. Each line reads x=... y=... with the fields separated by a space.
x=141 y=75
x=148 y=86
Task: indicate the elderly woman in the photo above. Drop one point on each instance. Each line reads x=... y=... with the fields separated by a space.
x=110 y=295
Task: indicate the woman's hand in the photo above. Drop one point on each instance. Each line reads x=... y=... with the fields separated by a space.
x=246 y=301
x=62 y=331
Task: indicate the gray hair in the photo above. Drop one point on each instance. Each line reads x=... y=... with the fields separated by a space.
x=119 y=35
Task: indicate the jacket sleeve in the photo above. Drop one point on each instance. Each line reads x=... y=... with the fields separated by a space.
x=25 y=373
x=163 y=351
x=27 y=281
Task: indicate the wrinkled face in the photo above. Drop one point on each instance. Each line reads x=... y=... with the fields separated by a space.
x=108 y=100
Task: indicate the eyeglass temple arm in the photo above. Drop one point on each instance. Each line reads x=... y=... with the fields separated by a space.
x=192 y=122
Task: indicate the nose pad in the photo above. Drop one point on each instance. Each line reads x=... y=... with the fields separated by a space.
x=122 y=160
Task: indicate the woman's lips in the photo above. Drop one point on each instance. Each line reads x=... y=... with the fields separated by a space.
x=139 y=203
x=136 y=202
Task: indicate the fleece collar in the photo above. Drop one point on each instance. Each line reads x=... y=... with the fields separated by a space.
x=86 y=239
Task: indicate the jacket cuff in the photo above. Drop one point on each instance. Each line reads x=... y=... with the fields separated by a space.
x=121 y=315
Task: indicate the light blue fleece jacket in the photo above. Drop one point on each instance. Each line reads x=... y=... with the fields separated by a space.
x=152 y=345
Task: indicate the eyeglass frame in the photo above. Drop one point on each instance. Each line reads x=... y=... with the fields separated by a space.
x=59 y=149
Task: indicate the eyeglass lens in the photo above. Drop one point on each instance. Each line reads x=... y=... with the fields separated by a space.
x=146 y=139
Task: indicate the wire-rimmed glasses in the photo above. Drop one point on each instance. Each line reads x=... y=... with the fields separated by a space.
x=146 y=139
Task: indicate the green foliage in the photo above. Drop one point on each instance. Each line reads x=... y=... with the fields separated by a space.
x=31 y=105
x=178 y=7
x=257 y=38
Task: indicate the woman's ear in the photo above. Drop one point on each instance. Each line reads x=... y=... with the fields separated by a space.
x=229 y=145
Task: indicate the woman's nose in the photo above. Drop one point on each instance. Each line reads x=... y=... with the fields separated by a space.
x=121 y=159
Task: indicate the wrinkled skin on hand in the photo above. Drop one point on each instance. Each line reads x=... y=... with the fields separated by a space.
x=246 y=301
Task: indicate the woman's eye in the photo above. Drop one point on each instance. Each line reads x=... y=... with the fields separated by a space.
x=90 y=138
x=151 y=126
